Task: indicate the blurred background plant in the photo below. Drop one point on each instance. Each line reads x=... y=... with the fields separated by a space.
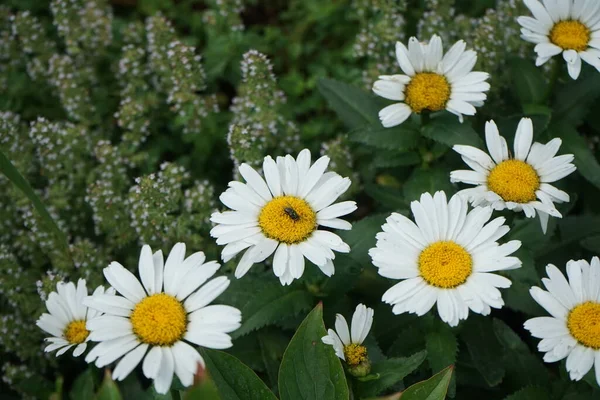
x=128 y=118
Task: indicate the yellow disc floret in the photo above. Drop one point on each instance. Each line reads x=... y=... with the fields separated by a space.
x=159 y=320
x=76 y=333
x=427 y=91
x=445 y=264
x=584 y=324
x=570 y=35
x=287 y=219
x=355 y=354
x=514 y=180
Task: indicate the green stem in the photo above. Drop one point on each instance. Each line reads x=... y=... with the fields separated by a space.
x=555 y=72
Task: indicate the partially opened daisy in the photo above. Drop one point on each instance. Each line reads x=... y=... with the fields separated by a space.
x=570 y=27
x=573 y=329
x=432 y=81
x=446 y=258
x=519 y=182
x=282 y=216
x=161 y=317
x=347 y=343
x=67 y=317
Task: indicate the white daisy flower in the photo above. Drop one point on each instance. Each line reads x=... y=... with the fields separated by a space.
x=282 y=216
x=165 y=313
x=570 y=27
x=521 y=182
x=432 y=81
x=347 y=343
x=573 y=330
x=67 y=317
x=445 y=258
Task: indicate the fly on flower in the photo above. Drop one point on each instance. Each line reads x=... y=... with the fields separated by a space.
x=432 y=81
x=282 y=215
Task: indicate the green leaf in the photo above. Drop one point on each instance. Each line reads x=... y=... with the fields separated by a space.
x=204 y=389
x=578 y=227
x=310 y=369
x=434 y=388
x=572 y=100
x=389 y=372
x=530 y=393
x=361 y=237
x=427 y=180
x=354 y=106
x=11 y=172
x=528 y=81
x=108 y=389
x=83 y=386
x=441 y=348
x=390 y=198
x=234 y=380
x=275 y=302
x=392 y=159
x=448 y=130
x=585 y=161
x=399 y=138
x=484 y=348
x=523 y=368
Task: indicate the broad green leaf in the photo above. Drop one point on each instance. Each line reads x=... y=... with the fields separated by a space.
x=108 y=389
x=234 y=380
x=83 y=386
x=389 y=372
x=572 y=100
x=310 y=369
x=522 y=366
x=393 y=159
x=354 y=106
x=11 y=172
x=361 y=237
x=275 y=302
x=585 y=161
x=577 y=227
x=592 y=244
x=434 y=388
x=530 y=393
x=389 y=197
x=427 y=180
x=203 y=389
x=484 y=348
x=399 y=138
x=448 y=130
x=528 y=82
x=442 y=348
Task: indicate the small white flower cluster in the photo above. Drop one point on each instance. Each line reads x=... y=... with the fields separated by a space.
x=224 y=15
x=257 y=125
x=69 y=80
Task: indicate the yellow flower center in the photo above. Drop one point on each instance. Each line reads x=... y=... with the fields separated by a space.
x=287 y=219
x=445 y=264
x=355 y=354
x=159 y=320
x=570 y=35
x=514 y=180
x=584 y=324
x=76 y=333
x=427 y=91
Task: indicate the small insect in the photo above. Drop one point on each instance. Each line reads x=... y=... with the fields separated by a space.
x=292 y=213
